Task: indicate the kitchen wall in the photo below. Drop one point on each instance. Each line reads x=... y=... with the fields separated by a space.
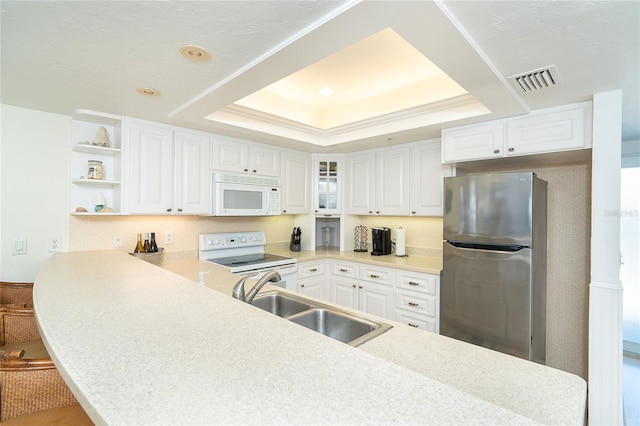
x=423 y=234
x=35 y=187
x=96 y=232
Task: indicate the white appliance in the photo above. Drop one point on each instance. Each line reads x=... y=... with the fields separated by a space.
x=243 y=253
x=245 y=195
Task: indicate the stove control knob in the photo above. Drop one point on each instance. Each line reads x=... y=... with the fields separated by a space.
x=209 y=242
x=243 y=239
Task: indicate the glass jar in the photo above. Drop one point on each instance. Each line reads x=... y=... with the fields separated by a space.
x=95 y=170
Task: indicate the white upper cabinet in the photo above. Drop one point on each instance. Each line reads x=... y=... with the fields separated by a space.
x=192 y=173
x=327 y=198
x=474 y=142
x=361 y=183
x=239 y=156
x=550 y=130
x=427 y=178
x=557 y=129
x=149 y=169
x=296 y=182
x=378 y=182
x=168 y=172
x=392 y=182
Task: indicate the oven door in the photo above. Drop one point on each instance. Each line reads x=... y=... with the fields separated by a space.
x=288 y=275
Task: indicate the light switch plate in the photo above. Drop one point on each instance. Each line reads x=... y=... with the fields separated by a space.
x=19 y=245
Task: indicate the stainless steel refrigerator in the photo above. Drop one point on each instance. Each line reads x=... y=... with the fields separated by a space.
x=494 y=279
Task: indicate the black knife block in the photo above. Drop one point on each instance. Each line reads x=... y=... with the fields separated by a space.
x=294 y=245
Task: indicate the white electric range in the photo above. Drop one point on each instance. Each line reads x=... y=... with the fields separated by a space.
x=243 y=253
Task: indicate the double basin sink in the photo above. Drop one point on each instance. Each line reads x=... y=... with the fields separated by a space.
x=333 y=322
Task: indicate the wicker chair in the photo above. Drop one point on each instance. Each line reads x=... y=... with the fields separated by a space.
x=17 y=324
x=11 y=293
x=29 y=380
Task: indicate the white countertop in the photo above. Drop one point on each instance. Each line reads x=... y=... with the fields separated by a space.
x=138 y=344
x=416 y=263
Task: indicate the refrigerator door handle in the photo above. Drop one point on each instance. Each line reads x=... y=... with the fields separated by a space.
x=486 y=247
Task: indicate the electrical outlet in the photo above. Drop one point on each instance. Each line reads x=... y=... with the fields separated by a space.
x=168 y=237
x=117 y=241
x=54 y=244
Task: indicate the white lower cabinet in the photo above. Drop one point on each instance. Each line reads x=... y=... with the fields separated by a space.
x=417 y=299
x=362 y=287
x=376 y=299
x=364 y=296
x=408 y=297
x=312 y=279
x=344 y=291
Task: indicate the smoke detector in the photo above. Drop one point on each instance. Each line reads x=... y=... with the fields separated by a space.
x=536 y=80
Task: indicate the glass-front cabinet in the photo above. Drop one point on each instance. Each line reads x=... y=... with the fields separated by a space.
x=328 y=181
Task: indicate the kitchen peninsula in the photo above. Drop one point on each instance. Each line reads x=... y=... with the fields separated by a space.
x=139 y=344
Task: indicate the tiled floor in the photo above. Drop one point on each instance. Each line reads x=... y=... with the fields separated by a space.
x=631 y=381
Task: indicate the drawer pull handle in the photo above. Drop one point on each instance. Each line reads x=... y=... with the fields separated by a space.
x=313 y=270
x=413 y=304
x=374 y=276
x=302 y=285
x=344 y=270
x=413 y=283
x=511 y=149
x=496 y=151
x=353 y=285
x=413 y=325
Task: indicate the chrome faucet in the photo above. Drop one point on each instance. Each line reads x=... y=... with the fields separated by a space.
x=238 y=289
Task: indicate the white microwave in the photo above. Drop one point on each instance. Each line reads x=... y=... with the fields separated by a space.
x=245 y=195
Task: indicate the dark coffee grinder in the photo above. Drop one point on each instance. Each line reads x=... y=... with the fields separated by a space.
x=381 y=240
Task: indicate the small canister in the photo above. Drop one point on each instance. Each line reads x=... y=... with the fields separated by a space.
x=95 y=170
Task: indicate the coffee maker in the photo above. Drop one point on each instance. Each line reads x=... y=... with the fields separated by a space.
x=381 y=240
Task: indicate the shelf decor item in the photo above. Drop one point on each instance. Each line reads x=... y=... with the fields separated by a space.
x=95 y=170
x=102 y=138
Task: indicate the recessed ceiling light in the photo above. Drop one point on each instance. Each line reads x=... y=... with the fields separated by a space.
x=148 y=91
x=194 y=53
x=325 y=91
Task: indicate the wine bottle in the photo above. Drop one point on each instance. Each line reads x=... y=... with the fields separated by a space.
x=154 y=246
x=146 y=245
x=139 y=247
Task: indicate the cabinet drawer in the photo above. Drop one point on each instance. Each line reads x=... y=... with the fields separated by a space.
x=376 y=275
x=345 y=269
x=416 y=302
x=417 y=282
x=417 y=321
x=310 y=269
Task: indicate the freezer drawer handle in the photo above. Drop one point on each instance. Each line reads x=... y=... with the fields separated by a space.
x=413 y=304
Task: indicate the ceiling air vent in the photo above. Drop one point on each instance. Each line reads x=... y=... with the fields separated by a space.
x=533 y=81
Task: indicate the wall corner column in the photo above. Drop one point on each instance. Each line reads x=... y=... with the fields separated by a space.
x=605 y=288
